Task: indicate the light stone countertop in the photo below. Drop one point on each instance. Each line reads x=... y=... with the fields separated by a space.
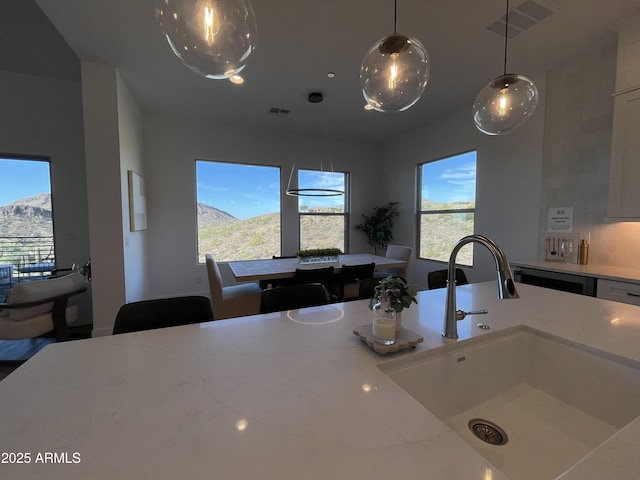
x=280 y=396
x=607 y=272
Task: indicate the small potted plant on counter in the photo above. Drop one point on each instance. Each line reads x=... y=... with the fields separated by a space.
x=399 y=294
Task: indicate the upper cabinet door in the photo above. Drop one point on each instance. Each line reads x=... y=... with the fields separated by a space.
x=628 y=66
x=624 y=180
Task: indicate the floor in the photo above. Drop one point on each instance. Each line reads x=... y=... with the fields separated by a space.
x=14 y=353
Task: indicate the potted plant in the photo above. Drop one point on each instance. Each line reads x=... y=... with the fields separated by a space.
x=399 y=294
x=379 y=227
x=318 y=255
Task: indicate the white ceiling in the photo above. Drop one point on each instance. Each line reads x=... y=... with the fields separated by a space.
x=299 y=41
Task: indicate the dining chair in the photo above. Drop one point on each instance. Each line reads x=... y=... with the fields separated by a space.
x=290 y=297
x=322 y=275
x=396 y=252
x=162 y=313
x=367 y=287
x=438 y=278
x=233 y=300
x=350 y=277
x=264 y=284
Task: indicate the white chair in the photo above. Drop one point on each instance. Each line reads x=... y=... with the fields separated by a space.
x=35 y=308
x=234 y=300
x=397 y=252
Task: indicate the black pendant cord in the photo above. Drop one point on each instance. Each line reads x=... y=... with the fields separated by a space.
x=395 y=15
x=506 y=36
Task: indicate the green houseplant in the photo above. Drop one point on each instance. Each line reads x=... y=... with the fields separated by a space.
x=379 y=227
x=400 y=294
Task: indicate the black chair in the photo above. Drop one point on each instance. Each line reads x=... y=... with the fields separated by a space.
x=350 y=277
x=438 y=278
x=264 y=284
x=322 y=275
x=367 y=287
x=292 y=296
x=161 y=313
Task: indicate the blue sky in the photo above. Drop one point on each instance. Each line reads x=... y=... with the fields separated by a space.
x=246 y=191
x=243 y=191
x=22 y=178
x=452 y=180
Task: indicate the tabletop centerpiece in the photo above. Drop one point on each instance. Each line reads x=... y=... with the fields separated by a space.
x=395 y=290
x=319 y=255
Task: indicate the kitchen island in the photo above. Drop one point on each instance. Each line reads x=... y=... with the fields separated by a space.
x=278 y=396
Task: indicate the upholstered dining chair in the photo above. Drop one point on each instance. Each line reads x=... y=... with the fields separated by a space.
x=35 y=308
x=234 y=300
x=397 y=252
x=350 y=277
x=438 y=278
x=162 y=313
x=289 y=297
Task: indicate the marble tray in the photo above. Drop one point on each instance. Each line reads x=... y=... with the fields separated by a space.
x=405 y=339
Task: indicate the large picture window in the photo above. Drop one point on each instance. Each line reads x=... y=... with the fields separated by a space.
x=27 y=246
x=323 y=220
x=238 y=211
x=446 y=206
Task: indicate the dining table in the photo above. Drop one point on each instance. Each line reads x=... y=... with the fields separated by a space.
x=278 y=268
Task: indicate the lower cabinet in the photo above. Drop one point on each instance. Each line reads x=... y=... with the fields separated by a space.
x=619 y=291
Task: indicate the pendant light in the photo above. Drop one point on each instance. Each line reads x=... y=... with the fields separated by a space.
x=507 y=102
x=327 y=186
x=214 y=38
x=394 y=72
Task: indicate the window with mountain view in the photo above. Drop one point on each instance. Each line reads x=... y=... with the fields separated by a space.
x=238 y=211
x=446 y=204
x=26 y=221
x=323 y=219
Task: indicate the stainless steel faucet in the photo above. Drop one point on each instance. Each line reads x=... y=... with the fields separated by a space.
x=506 y=285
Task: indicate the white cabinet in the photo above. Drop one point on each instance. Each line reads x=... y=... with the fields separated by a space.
x=624 y=193
x=624 y=292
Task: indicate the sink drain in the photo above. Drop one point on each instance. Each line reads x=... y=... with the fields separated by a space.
x=488 y=432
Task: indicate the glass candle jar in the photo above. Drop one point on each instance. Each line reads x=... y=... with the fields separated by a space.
x=384 y=322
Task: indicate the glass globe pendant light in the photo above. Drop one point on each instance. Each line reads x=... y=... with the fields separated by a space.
x=507 y=102
x=394 y=72
x=214 y=38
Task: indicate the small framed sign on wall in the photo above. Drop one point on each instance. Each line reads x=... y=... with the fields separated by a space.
x=137 y=202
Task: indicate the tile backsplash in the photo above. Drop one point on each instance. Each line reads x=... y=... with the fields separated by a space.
x=577 y=152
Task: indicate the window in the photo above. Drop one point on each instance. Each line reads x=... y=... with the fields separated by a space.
x=26 y=220
x=238 y=211
x=323 y=220
x=446 y=206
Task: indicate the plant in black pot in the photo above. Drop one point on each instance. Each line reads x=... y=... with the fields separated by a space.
x=379 y=227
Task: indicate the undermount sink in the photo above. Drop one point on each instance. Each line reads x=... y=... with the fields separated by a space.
x=538 y=403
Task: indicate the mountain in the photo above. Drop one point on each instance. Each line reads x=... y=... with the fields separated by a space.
x=27 y=217
x=41 y=200
x=212 y=217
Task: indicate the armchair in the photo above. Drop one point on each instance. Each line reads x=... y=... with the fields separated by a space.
x=35 y=308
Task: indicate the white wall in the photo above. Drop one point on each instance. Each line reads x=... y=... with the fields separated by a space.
x=104 y=185
x=131 y=158
x=508 y=184
x=42 y=116
x=171 y=147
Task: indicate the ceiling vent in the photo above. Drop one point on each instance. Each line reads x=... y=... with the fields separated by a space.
x=522 y=18
x=278 y=112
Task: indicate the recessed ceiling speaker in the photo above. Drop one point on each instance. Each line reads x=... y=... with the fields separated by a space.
x=315 y=97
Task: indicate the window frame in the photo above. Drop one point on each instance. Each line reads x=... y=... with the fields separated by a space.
x=419 y=201
x=235 y=164
x=345 y=214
